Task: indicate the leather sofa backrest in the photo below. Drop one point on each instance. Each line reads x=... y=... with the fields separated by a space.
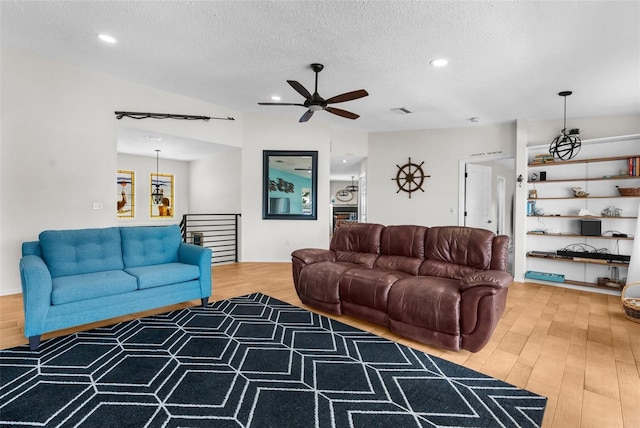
x=500 y=253
x=357 y=243
x=454 y=251
x=402 y=248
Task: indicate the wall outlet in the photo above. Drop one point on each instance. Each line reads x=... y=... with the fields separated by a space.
x=97 y=205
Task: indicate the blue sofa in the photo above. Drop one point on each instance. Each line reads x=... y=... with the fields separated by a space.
x=74 y=277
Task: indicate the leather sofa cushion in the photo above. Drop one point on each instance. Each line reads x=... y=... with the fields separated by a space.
x=427 y=302
x=459 y=245
x=151 y=245
x=362 y=259
x=368 y=287
x=401 y=248
x=403 y=241
x=321 y=281
x=359 y=238
x=165 y=274
x=73 y=252
x=445 y=270
x=67 y=289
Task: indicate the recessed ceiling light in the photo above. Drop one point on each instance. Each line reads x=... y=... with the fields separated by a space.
x=276 y=98
x=441 y=62
x=474 y=119
x=345 y=160
x=107 y=38
x=151 y=137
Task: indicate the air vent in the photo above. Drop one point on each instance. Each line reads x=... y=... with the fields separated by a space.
x=401 y=110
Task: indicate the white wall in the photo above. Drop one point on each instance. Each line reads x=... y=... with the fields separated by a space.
x=143 y=166
x=216 y=184
x=441 y=151
x=349 y=143
x=274 y=240
x=59 y=146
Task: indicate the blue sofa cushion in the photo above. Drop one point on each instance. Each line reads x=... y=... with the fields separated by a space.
x=165 y=274
x=150 y=245
x=73 y=252
x=86 y=286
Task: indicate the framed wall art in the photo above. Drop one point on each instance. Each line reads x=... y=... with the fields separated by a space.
x=162 y=196
x=125 y=191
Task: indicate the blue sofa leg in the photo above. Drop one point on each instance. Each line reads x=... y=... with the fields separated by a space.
x=34 y=342
x=205 y=302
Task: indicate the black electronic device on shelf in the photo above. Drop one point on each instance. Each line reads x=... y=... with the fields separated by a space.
x=594 y=255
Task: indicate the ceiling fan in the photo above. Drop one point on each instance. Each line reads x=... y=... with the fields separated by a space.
x=315 y=102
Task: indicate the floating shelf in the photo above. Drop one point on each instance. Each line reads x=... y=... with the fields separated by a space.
x=582 y=216
x=592 y=160
x=575 y=235
x=586 y=197
x=581 y=260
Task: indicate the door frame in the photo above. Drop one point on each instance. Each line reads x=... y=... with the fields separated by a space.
x=462 y=166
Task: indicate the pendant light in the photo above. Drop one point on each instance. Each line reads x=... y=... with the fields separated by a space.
x=565 y=146
x=352 y=187
x=157 y=194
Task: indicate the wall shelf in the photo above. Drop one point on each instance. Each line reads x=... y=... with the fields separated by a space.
x=578 y=161
x=579 y=260
x=567 y=180
x=583 y=198
x=581 y=216
x=575 y=235
x=598 y=175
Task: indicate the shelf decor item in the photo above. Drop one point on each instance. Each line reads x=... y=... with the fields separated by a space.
x=610 y=282
x=629 y=191
x=630 y=298
x=579 y=193
x=566 y=146
x=611 y=211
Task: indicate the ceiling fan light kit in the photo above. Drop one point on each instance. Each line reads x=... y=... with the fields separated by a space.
x=314 y=102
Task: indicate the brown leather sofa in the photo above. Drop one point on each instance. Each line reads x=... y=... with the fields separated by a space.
x=443 y=286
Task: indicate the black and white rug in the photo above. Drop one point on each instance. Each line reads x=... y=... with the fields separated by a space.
x=251 y=361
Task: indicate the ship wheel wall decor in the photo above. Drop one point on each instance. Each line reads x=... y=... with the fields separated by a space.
x=410 y=177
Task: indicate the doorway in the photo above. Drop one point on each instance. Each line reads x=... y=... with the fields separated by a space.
x=487 y=194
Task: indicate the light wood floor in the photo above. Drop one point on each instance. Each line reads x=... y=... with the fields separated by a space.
x=576 y=348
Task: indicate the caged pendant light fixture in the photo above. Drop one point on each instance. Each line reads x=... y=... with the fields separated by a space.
x=565 y=146
x=157 y=193
x=352 y=187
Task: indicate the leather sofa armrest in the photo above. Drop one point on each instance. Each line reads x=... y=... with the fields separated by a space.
x=36 y=293
x=491 y=278
x=314 y=255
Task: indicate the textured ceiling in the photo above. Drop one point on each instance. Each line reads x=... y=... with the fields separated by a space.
x=507 y=60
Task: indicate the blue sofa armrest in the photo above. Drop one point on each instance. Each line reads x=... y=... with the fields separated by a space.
x=36 y=293
x=201 y=257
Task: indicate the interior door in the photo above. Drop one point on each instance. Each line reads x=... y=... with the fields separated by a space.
x=478 y=201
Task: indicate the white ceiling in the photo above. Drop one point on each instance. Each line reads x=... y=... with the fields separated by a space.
x=507 y=59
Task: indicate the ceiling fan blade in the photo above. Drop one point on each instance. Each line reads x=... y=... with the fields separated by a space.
x=342 y=113
x=281 y=104
x=348 y=96
x=299 y=88
x=306 y=116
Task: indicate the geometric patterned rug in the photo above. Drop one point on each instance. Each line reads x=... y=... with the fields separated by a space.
x=250 y=361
